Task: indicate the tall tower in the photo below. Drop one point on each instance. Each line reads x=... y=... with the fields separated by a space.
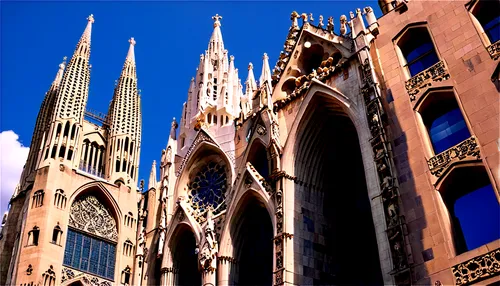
x=69 y=104
x=125 y=123
x=214 y=94
x=42 y=126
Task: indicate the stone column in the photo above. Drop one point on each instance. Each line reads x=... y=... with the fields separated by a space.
x=224 y=265
x=208 y=277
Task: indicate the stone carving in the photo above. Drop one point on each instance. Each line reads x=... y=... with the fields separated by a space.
x=261 y=130
x=89 y=215
x=68 y=274
x=494 y=50
x=343 y=23
x=423 y=79
x=207 y=190
x=29 y=271
x=477 y=268
x=467 y=149
x=290 y=42
x=201 y=137
x=208 y=253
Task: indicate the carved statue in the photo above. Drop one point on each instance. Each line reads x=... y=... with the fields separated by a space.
x=208 y=253
x=320 y=24
x=343 y=22
x=330 y=26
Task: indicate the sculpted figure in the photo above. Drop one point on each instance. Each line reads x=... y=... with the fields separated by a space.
x=208 y=253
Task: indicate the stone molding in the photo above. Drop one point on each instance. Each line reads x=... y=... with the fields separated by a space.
x=465 y=150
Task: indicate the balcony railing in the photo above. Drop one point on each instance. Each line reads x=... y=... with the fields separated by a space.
x=478 y=268
x=423 y=79
x=87 y=168
x=467 y=149
x=494 y=50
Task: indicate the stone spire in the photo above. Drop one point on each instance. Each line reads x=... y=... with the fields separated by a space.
x=124 y=120
x=152 y=176
x=42 y=126
x=216 y=44
x=73 y=94
x=266 y=71
x=251 y=84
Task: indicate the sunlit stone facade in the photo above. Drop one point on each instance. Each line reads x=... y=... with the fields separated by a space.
x=366 y=157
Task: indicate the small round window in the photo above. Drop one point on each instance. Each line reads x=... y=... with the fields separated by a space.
x=207 y=189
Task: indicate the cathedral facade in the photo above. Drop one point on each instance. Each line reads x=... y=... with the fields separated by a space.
x=368 y=156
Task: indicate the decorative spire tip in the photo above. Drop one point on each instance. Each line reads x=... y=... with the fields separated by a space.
x=216 y=19
x=90 y=18
x=132 y=41
x=250 y=66
x=265 y=57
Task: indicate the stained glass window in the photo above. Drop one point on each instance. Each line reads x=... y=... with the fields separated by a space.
x=89 y=254
x=208 y=188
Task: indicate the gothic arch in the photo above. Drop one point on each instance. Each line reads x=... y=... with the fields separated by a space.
x=299 y=145
x=180 y=219
x=104 y=196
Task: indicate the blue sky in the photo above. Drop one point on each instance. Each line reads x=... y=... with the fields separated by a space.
x=170 y=36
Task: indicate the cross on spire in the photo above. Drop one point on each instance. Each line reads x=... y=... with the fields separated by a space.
x=216 y=19
x=132 y=41
x=90 y=18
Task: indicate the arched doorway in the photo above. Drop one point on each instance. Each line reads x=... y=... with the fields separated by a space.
x=185 y=258
x=254 y=245
x=334 y=224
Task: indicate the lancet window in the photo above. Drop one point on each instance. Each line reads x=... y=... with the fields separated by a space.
x=57 y=235
x=207 y=189
x=417 y=49
x=60 y=199
x=91 y=238
x=487 y=20
x=128 y=248
x=33 y=236
x=38 y=199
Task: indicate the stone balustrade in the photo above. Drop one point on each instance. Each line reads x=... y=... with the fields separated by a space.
x=478 y=268
x=494 y=50
x=465 y=150
x=423 y=79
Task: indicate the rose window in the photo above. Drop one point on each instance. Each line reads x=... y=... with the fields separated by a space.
x=207 y=189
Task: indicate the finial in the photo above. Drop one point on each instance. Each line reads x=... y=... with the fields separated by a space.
x=321 y=21
x=294 y=17
x=265 y=57
x=65 y=58
x=216 y=19
x=132 y=41
x=231 y=58
x=351 y=14
x=90 y=18
x=250 y=66
x=330 y=26
x=311 y=17
x=304 y=17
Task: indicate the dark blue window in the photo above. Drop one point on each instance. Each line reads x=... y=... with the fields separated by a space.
x=478 y=214
x=90 y=254
x=421 y=58
x=447 y=130
x=492 y=29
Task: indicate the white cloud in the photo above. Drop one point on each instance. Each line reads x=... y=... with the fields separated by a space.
x=12 y=159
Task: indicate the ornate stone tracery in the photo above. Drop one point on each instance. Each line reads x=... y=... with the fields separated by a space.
x=467 y=149
x=90 y=215
x=207 y=190
x=477 y=268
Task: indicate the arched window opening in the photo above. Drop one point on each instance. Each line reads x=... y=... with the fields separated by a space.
x=70 y=153
x=128 y=248
x=62 y=151
x=311 y=58
x=254 y=246
x=66 y=129
x=209 y=118
x=418 y=50
x=33 y=236
x=473 y=207
x=222 y=120
x=118 y=145
x=92 y=236
x=132 y=172
x=227 y=119
x=124 y=166
x=126 y=276
x=185 y=259
x=58 y=130
x=117 y=166
x=73 y=131
x=131 y=148
x=257 y=156
x=288 y=86
x=57 y=235
x=38 y=199
x=49 y=277
x=53 y=153
x=444 y=121
x=215 y=119
x=60 y=199
x=328 y=192
x=46 y=154
x=125 y=148
x=486 y=13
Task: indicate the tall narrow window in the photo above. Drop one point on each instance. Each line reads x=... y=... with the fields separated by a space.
x=418 y=50
x=473 y=207
x=126 y=276
x=57 y=235
x=33 y=236
x=488 y=19
x=66 y=129
x=60 y=199
x=444 y=121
